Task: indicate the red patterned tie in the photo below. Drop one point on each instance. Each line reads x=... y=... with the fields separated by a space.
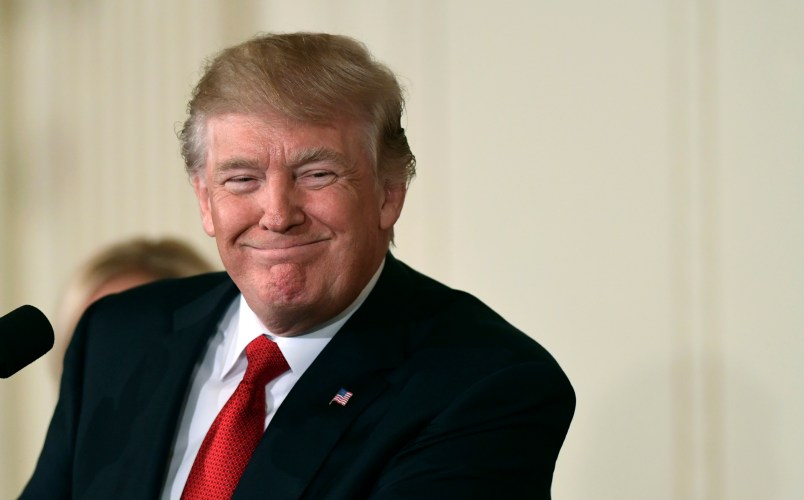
x=233 y=436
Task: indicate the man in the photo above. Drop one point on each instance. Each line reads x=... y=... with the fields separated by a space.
x=317 y=366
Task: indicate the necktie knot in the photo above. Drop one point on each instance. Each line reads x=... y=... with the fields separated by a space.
x=265 y=361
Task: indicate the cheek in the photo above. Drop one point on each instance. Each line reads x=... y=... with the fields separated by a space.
x=343 y=216
x=231 y=215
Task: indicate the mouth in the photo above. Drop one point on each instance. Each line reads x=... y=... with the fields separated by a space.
x=284 y=247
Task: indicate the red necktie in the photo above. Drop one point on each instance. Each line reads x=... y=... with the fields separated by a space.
x=233 y=436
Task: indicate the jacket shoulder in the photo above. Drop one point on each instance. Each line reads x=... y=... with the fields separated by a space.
x=448 y=317
x=167 y=294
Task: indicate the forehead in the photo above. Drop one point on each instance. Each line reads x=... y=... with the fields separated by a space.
x=273 y=136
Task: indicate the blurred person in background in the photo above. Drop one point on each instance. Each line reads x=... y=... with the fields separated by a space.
x=118 y=267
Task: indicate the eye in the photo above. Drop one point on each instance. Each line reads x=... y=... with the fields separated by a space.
x=240 y=184
x=317 y=178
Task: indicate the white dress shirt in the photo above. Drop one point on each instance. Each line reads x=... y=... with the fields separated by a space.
x=222 y=368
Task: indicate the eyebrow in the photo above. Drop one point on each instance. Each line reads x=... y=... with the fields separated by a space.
x=303 y=157
x=312 y=155
x=235 y=164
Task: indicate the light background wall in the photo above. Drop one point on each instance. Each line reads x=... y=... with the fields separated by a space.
x=623 y=180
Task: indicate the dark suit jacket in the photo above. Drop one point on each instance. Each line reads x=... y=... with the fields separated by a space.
x=450 y=401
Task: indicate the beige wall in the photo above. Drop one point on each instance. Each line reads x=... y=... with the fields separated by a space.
x=622 y=180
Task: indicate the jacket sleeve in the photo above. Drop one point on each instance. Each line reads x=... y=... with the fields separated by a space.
x=499 y=439
x=52 y=477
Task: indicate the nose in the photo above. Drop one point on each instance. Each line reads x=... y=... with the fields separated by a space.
x=281 y=210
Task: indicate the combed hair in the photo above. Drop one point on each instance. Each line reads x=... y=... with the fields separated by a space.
x=307 y=77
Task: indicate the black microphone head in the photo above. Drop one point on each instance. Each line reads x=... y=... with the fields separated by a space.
x=25 y=335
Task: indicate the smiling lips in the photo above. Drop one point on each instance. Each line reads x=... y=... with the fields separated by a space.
x=280 y=246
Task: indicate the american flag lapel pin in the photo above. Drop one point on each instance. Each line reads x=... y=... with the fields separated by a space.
x=342 y=397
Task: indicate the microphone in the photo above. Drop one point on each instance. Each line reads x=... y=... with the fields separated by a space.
x=25 y=335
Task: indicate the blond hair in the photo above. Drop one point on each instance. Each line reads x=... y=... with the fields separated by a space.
x=308 y=77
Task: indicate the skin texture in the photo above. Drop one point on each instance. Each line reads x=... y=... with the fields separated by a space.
x=300 y=219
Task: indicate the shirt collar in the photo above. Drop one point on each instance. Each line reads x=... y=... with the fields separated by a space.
x=300 y=351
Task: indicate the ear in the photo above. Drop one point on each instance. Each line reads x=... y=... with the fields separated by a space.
x=393 y=198
x=202 y=195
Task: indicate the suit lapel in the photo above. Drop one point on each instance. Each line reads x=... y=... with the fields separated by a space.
x=169 y=364
x=306 y=427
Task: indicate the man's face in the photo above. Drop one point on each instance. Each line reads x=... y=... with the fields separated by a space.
x=300 y=220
